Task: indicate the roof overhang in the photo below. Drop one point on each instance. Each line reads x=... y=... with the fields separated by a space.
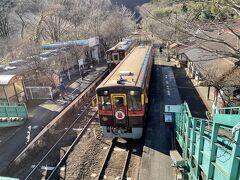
x=9 y=79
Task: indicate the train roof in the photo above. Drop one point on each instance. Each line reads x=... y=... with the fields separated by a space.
x=132 y=69
x=124 y=45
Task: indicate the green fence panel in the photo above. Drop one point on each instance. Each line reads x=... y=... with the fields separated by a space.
x=18 y=110
x=3 y=111
x=209 y=147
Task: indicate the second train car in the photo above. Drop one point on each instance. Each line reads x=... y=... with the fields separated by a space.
x=123 y=95
x=118 y=52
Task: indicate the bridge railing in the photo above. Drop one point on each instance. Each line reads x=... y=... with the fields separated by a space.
x=210 y=148
x=227 y=110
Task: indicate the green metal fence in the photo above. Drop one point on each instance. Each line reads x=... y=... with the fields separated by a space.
x=12 y=114
x=210 y=148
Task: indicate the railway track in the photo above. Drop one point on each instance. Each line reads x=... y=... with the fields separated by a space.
x=117 y=161
x=39 y=153
x=72 y=135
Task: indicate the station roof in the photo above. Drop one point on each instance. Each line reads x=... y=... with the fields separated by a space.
x=9 y=79
x=170 y=89
x=83 y=42
x=206 y=61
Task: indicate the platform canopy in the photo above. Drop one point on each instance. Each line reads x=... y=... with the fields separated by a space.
x=11 y=88
x=9 y=79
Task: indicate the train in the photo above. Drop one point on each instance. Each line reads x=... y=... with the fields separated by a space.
x=122 y=97
x=119 y=52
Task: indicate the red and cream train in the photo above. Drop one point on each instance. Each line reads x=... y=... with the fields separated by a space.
x=123 y=95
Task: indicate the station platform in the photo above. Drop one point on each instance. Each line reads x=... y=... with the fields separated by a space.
x=156 y=161
x=13 y=140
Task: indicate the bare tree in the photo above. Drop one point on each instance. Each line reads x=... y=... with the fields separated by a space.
x=232 y=4
x=26 y=10
x=5 y=9
x=118 y=24
x=38 y=70
x=213 y=36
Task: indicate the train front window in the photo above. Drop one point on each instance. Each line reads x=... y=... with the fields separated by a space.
x=115 y=57
x=109 y=57
x=104 y=103
x=121 y=55
x=134 y=101
x=119 y=102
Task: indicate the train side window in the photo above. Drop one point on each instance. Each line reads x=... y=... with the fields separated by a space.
x=134 y=101
x=121 y=56
x=109 y=57
x=104 y=103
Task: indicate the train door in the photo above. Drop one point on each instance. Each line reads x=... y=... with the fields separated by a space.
x=119 y=104
x=115 y=57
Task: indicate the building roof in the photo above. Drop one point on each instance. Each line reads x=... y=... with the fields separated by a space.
x=233 y=79
x=8 y=79
x=82 y=42
x=177 y=46
x=208 y=62
x=58 y=45
x=170 y=89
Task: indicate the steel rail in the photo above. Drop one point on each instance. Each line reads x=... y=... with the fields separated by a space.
x=107 y=158
x=44 y=157
x=126 y=163
x=72 y=146
x=48 y=126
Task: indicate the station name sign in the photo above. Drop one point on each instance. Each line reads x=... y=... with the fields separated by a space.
x=172 y=108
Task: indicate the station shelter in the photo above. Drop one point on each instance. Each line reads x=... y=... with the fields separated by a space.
x=11 y=89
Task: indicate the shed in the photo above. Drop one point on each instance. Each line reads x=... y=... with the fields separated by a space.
x=11 y=88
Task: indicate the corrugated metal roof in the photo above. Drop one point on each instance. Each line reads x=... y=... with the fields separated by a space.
x=209 y=63
x=83 y=42
x=170 y=89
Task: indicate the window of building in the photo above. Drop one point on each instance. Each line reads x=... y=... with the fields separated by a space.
x=2 y=94
x=10 y=90
x=134 y=101
x=19 y=87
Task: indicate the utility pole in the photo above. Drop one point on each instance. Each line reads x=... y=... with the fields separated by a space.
x=175 y=27
x=69 y=76
x=238 y=43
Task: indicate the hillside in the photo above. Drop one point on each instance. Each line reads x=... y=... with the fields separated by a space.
x=131 y=4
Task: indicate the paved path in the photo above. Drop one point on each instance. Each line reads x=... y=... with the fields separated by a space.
x=156 y=162
x=39 y=117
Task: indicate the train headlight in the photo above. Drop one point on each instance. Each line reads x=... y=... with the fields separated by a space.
x=133 y=93
x=105 y=93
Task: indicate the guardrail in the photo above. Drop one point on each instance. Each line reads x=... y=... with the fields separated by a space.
x=12 y=114
x=210 y=147
x=73 y=106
